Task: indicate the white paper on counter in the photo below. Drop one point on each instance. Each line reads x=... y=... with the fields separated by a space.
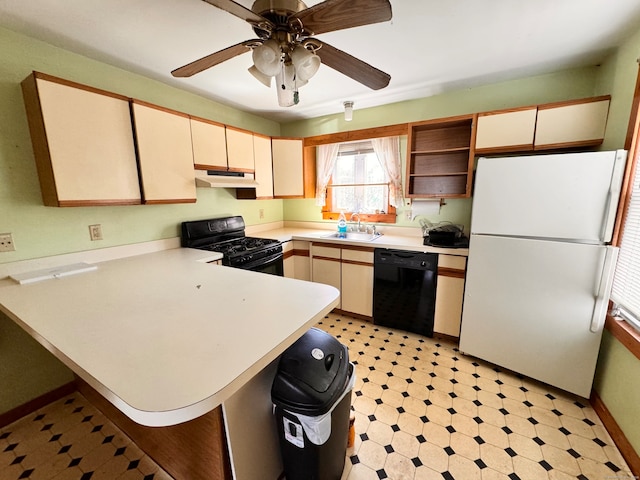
x=425 y=208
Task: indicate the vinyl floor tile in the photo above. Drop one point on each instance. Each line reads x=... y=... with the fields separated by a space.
x=425 y=411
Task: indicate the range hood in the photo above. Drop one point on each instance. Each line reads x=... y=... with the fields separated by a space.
x=222 y=179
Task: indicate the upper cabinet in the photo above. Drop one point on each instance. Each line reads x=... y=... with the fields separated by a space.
x=288 y=168
x=264 y=166
x=507 y=130
x=570 y=124
x=440 y=158
x=240 y=150
x=578 y=123
x=83 y=143
x=209 y=145
x=165 y=154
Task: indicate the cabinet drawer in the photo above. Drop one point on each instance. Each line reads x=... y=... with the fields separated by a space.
x=452 y=261
x=322 y=251
x=362 y=256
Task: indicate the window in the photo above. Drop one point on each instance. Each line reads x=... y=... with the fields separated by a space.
x=361 y=177
x=626 y=282
x=358 y=181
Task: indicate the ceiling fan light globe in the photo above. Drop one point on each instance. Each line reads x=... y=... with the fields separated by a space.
x=285 y=87
x=305 y=62
x=266 y=58
x=261 y=77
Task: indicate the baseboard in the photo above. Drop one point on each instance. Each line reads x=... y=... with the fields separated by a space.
x=37 y=403
x=617 y=435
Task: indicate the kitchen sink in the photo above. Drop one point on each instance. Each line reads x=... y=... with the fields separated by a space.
x=355 y=236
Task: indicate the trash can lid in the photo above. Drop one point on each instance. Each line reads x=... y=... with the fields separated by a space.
x=312 y=374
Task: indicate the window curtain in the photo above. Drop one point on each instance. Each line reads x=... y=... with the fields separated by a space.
x=387 y=150
x=325 y=162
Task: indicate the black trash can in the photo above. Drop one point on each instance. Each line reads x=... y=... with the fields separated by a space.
x=311 y=394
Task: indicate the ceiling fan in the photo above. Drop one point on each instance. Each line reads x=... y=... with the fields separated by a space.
x=285 y=47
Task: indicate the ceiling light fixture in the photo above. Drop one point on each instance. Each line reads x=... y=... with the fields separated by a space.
x=291 y=63
x=348 y=111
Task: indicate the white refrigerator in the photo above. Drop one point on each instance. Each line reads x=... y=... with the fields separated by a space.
x=539 y=271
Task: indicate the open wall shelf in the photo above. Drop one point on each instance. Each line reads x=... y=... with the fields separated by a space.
x=440 y=158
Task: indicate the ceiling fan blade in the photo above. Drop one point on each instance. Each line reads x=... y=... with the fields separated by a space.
x=352 y=67
x=239 y=11
x=332 y=15
x=209 y=61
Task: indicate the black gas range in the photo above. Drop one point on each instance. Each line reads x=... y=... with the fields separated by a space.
x=226 y=235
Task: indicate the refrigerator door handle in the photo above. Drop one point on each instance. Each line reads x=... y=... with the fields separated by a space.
x=604 y=289
x=613 y=195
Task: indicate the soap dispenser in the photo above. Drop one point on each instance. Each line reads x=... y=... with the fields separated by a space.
x=342 y=225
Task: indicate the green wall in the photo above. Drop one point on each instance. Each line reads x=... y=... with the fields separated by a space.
x=618 y=370
x=27 y=370
x=564 y=85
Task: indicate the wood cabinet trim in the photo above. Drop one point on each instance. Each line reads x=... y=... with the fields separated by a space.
x=352 y=135
x=578 y=101
x=557 y=146
x=206 y=120
x=451 y=272
x=331 y=259
x=300 y=253
x=507 y=110
x=238 y=129
x=357 y=262
x=79 y=86
x=158 y=107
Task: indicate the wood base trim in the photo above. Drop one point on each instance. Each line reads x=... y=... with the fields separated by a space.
x=37 y=403
x=193 y=450
x=618 y=436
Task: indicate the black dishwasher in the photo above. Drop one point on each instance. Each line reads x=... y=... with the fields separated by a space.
x=404 y=290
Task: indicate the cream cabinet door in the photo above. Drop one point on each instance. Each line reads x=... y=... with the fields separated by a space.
x=508 y=131
x=288 y=171
x=263 y=164
x=449 y=294
x=240 y=156
x=325 y=266
x=579 y=123
x=209 y=145
x=357 y=281
x=301 y=261
x=165 y=154
x=83 y=144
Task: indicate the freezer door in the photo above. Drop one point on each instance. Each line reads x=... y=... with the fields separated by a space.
x=566 y=196
x=529 y=306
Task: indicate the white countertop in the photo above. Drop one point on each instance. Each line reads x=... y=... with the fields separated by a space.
x=394 y=241
x=164 y=336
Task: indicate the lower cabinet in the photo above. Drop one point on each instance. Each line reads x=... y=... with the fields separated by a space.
x=296 y=260
x=449 y=294
x=357 y=281
x=350 y=270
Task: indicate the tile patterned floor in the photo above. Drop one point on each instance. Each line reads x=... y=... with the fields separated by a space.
x=425 y=411
x=71 y=439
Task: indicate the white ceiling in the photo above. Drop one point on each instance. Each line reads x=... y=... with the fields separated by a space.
x=429 y=46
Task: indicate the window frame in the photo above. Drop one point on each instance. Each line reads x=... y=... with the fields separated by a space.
x=351 y=136
x=620 y=329
x=329 y=213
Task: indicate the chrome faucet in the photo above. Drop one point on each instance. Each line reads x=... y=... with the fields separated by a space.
x=356 y=215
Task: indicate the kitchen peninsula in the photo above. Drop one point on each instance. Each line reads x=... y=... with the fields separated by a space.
x=165 y=336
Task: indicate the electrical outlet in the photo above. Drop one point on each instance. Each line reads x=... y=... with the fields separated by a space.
x=261 y=213
x=6 y=243
x=95 y=232
x=407 y=214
